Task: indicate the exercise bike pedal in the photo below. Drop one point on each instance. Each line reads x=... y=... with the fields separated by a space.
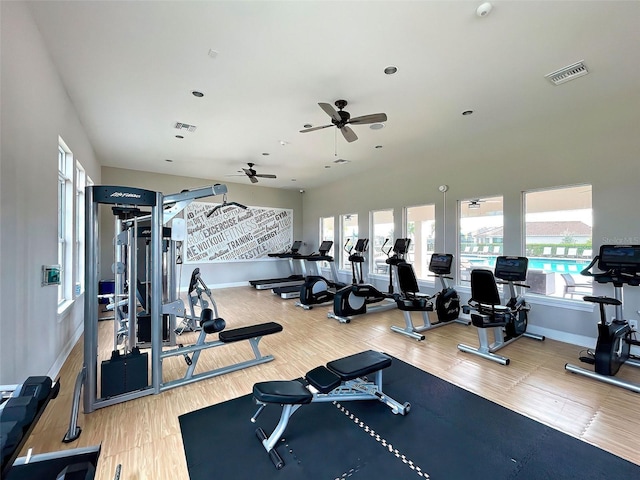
x=589 y=360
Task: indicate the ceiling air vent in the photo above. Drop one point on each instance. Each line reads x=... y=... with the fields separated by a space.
x=185 y=126
x=567 y=73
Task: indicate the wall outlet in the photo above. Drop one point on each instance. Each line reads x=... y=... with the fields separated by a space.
x=633 y=324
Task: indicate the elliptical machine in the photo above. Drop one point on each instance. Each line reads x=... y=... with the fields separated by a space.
x=359 y=298
x=317 y=289
x=619 y=265
x=447 y=300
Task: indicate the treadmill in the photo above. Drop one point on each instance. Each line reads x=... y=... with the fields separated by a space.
x=291 y=280
x=287 y=292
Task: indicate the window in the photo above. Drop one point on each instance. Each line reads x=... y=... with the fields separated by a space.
x=421 y=228
x=327 y=233
x=81 y=182
x=480 y=234
x=348 y=231
x=381 y=230
x=558 y=240
x=65 y=219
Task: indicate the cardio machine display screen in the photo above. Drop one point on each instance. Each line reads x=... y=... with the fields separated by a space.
x=440 y=263
x=325 y=246
x=512 y=268
x=626 y=257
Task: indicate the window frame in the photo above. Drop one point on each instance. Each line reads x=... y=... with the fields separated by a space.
x=373 y=246
x=65 y=223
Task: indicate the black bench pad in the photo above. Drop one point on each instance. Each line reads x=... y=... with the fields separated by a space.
x=245 y=333
x=287 y=392
x=323 y=379
x=359 y=364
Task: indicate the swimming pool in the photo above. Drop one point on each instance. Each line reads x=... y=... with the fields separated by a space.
x=559 y=265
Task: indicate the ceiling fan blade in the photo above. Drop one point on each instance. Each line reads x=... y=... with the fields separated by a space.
x=315 y=128
x=349 y=135
x=253 y=179
x=265 y=175
x=328 y=108
x=373 y=118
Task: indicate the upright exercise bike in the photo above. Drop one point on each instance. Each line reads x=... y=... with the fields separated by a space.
x=619 y=265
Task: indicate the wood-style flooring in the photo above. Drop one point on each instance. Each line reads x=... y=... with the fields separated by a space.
x=143 y=435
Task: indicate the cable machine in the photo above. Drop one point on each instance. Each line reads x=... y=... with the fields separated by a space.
x=135 y=383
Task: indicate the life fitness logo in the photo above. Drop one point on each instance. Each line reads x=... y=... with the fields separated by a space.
x=125 y=195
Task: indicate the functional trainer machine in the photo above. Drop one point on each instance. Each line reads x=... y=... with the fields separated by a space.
x=126 y=376
x=447 y=300
x=341 y=380
x=362 y=298
x=507 y=322
x=619 y=265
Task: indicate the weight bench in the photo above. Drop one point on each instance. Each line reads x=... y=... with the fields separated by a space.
x=341 y=380
x=208 y=325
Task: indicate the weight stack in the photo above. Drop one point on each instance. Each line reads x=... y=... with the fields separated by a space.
x=124 y=373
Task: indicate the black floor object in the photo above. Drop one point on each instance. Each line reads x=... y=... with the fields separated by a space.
x=449 y=434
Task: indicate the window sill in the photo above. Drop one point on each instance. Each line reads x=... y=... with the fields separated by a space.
x=64 y=308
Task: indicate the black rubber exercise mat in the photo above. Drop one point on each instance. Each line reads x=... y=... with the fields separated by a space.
x=449 y=434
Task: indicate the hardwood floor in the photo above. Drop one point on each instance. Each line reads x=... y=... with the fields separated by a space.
x=144 y=435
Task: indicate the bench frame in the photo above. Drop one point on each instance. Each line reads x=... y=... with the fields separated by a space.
x=349 y=389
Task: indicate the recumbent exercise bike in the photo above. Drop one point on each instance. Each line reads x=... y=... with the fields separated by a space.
x=507 y=322
x=619 y=265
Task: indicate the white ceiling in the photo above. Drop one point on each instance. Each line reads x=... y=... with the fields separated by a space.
x=130 y=68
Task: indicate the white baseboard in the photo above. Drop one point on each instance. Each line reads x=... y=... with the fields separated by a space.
x=54 y=371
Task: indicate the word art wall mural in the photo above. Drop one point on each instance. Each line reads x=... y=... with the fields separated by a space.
x=232 y=233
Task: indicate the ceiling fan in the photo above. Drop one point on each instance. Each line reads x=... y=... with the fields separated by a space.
x=252 y=174
x=342 y=120
x=475 y=203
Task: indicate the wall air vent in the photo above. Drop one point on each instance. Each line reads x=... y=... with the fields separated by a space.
x=567 y=73
x=185 y=126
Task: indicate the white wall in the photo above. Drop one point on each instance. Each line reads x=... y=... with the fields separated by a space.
x=598 y=144
x=35 y=110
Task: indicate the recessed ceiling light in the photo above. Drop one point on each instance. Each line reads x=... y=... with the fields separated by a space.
x=390 y=70
x=198 y=94
x=212 y=53
x=376 y=126
x=169 y=160
x=467 y=112
x=378 y=146
x=284 y=142
x=266 y=154
x=307 y=125
x=179 y=136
